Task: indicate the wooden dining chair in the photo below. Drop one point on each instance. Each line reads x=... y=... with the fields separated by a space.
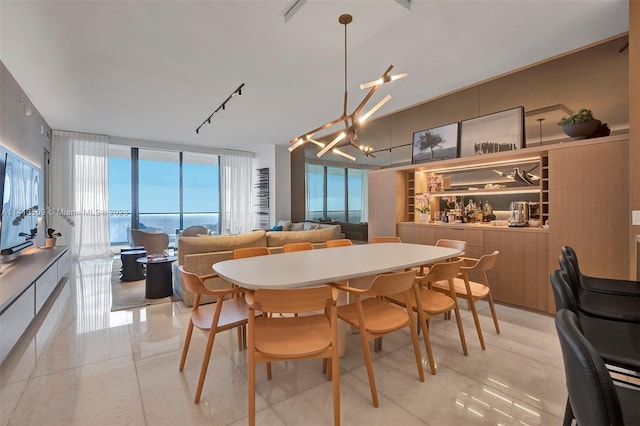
x=428 y=303
x=241 y=253
x=385 y=239
x=293 y=338
x=344 y=242
x=454 y=244
x=226 y=313
x=473 y=291
x=291 y=247
x=375 y=316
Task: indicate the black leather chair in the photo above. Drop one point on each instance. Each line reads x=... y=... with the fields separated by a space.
x=594 y=398
x=607 y=304
x=617 y=341
x=599 y=284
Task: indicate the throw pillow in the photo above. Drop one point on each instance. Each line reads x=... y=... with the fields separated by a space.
x=286 y=225
x=298 y=226
x=310 y=226
x=277 y=228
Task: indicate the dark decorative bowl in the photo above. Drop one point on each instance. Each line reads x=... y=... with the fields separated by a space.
x=581 y=130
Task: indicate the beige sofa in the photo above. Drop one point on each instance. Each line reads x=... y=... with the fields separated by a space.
x=198 y=254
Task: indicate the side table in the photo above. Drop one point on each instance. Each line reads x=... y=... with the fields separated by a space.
x=158 y=281
x=131 y=270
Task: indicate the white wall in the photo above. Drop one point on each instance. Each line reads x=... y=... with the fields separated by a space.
x=277 y=159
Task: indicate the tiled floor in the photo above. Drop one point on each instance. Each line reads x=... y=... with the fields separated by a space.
x=94 y=367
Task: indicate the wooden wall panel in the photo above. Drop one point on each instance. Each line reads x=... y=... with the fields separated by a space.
x=589 y=205
x=520 y=276
x=634 y=125
x=387 y=202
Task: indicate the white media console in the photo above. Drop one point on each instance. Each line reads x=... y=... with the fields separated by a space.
x=26 y=284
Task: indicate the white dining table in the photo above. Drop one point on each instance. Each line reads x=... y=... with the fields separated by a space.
x=320 y=266
x=315 y=267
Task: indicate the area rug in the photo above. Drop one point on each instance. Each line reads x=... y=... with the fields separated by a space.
x=130 y=294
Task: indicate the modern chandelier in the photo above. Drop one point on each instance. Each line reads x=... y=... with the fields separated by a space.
x=351 y=121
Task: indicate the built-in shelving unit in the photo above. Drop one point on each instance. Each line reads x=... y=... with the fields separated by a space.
x=411 y=193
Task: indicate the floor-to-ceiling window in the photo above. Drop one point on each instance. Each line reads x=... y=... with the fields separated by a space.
x=201 y=199
x=161 y=190
x=336 y=193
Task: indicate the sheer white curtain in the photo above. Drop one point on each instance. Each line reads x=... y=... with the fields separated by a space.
x=365 y=196
x=80 y=190
x=235 y=191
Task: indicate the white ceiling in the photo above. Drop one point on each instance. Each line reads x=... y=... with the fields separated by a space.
x=154 y=70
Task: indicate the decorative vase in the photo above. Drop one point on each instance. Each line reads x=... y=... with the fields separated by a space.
x=425 y=217
x=582 y=130
x=49 y=242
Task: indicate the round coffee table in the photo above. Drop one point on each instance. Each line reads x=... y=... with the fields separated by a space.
x=158 y=281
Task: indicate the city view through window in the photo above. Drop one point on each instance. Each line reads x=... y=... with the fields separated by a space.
x=162 y=205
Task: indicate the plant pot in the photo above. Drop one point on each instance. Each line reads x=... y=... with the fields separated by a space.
x=49 y=242
x=424 y=217
x=581 y=130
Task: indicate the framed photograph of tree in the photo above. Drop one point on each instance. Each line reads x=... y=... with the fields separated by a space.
x=491 y=133
x=439 y=143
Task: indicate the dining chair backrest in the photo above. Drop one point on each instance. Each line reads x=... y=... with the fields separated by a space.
x=241 y=253
x=486 y=262
x=392 y=283
x=385 y=239
x=293 y=300
x=562 y=293
x=592 y=394
x=195 y=284
x=454 y=244
x=338 y=243
x=573 y=279
x=443 y=271
x=291 y=247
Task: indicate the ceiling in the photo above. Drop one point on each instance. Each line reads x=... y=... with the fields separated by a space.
x=155 y=70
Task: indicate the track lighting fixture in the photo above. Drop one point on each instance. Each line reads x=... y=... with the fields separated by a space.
x=223 y=107
x=351 y=121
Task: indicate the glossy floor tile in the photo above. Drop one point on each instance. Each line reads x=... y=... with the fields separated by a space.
x=85 y=365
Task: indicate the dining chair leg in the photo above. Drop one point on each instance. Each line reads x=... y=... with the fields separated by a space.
x=427 y=342
x=461 y=330
x=335 y=378
x=476 y=320
x=268 y=371
x=493 y=313
x=239 y=334
x=205 y=364
x=252 y=387
x=416 y=349
x=187 y=341
x=367 y=359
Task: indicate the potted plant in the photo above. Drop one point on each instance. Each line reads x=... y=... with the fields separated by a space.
x=580 y=125
x=422 y=203
x=50 y=241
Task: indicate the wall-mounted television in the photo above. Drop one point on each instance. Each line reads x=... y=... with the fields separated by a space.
x=21 y=193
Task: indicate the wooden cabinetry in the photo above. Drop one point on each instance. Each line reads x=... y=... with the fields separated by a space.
x=583 y=188
x=388 y=202
x=589 y=206
x=520 y=276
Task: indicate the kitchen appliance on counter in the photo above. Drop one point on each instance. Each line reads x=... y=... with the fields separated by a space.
x=518 y=213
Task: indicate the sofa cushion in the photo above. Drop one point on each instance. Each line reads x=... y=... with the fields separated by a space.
x=298 y=226
x=310 y=226
x=275 y=239
x=192 y=245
